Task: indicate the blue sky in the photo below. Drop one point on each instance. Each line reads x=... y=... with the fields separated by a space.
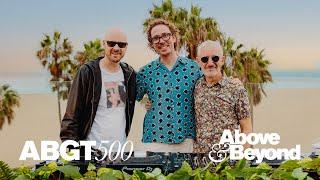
x=287 y=30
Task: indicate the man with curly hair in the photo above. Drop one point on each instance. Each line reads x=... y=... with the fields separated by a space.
x=169 y=125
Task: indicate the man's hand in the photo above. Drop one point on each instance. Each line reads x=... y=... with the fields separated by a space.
x=246 y=146
x=148 y=105
x=236 y=81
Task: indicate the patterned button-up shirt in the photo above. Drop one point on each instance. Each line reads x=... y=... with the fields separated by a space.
x=218 y=107
x=171 y=119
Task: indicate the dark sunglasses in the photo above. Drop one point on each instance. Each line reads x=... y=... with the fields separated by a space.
x=113 y=43
x=205 y=59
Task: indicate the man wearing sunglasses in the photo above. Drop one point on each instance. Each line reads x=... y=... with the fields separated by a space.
x=169 y=125
x=219 y=102
x=102 y=96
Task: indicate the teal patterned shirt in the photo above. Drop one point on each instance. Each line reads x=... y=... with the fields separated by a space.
x=171 y=119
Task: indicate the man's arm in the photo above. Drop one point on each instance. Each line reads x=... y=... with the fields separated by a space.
x=243 y=112
x=246 y=128
x=70 y=122
x=141 y=85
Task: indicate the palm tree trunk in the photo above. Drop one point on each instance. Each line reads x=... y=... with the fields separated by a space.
x=251 y=112
x=59 y=105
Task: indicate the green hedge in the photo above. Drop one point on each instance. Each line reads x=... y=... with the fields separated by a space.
x=292 y=169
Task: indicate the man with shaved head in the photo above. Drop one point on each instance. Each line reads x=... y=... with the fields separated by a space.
x=219 y=103
x=102 y=96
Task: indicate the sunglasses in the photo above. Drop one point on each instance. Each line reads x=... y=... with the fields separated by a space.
x=113 y=43
x=205 y=59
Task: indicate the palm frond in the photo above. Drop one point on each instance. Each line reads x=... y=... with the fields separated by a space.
x=6 y=172
x=9 y=99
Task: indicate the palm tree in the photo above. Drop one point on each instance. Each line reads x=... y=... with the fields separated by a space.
x=92 y=50
x=256 y=73
x=249 y=66
x=198 y=30
x=54 y=55
x=8 y=100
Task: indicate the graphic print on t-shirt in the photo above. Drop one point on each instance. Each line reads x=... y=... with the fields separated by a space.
x=116 y=94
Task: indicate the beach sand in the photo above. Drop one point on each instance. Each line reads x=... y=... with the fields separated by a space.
x=293 y=113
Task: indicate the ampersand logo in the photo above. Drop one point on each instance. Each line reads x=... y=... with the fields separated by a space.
x=219 y=152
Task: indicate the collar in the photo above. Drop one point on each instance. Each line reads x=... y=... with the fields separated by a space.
x=156 y=64
x=221 y=83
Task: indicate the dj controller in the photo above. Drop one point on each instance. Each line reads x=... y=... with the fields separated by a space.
x=167 y=162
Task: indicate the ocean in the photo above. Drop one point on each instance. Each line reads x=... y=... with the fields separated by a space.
x=34 y=83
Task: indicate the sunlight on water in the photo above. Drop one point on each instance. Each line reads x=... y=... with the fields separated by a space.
x=39 y=83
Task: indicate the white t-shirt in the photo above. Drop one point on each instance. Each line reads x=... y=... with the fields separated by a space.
x=110 y=121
